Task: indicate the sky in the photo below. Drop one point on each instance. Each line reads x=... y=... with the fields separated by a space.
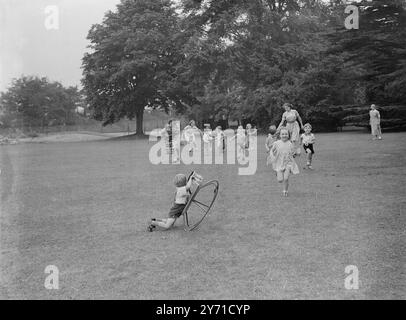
x=47 y=38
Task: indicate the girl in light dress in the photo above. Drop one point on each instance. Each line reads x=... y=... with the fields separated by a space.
x=282 y=159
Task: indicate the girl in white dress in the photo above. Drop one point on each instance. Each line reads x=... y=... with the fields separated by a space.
x=281 y=156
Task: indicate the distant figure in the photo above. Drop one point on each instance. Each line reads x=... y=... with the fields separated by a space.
x=223 y=122
x=208 y=138
x=293 y=120
x=219 y=138
x=166 y=135
x=190 y=132
x=375 y=122
x=241 y=143
x=249 y=133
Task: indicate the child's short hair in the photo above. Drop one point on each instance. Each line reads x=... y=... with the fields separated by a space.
x=180 y=180
x=272 y=129
x=308 y=125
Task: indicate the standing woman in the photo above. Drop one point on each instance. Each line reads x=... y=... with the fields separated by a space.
x=293 y=120
x=375 y=122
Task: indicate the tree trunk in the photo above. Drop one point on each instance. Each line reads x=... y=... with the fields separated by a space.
x=140 y=120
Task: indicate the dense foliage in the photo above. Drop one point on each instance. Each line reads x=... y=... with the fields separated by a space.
x=36 y=102
x=235 y=59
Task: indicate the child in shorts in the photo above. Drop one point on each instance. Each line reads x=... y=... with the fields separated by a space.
x=307 y=140
x=181 y=198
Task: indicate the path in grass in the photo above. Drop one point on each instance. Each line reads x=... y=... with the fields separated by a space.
x=83 y=207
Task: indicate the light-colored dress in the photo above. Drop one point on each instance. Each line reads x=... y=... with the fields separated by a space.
x=291 y=124
x=281 y=156
x=375 y=122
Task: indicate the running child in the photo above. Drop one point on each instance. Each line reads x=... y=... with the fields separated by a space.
x=249 y=132
x=181 y=198
x=207 y=143
x=219 y=138
x=272 y=137
x=241 y=143
x=281 y=154
x=307 y=140
x=190 y=132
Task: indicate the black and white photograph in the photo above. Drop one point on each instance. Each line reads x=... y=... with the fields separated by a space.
x=202 y=150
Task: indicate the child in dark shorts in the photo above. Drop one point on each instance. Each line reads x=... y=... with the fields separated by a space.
x=308 y=140
x=179 y=203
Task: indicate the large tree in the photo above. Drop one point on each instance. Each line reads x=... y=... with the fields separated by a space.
x=249 y=57
x=132 y=64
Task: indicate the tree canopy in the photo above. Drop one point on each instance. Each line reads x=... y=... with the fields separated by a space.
x=37 y=102
x=133 y=60
x=243 y=59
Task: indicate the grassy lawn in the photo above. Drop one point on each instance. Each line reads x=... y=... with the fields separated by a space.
x=83 y=207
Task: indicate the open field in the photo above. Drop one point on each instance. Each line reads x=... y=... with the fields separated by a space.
x=83 y=207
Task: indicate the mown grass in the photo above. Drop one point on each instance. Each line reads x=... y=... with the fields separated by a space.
x=83 y=207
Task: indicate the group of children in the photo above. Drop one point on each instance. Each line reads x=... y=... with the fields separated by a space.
x=281 y=156
x=282 y=152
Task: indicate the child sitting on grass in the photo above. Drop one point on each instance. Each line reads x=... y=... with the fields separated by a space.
x=181 y=198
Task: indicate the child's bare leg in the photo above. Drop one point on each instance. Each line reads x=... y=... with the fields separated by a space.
x=163 y=223
x=286 y=181
x=309 y=157
x=279 y=176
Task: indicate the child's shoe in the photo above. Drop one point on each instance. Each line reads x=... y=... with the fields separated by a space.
x=150 y=227
x=285 y=193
